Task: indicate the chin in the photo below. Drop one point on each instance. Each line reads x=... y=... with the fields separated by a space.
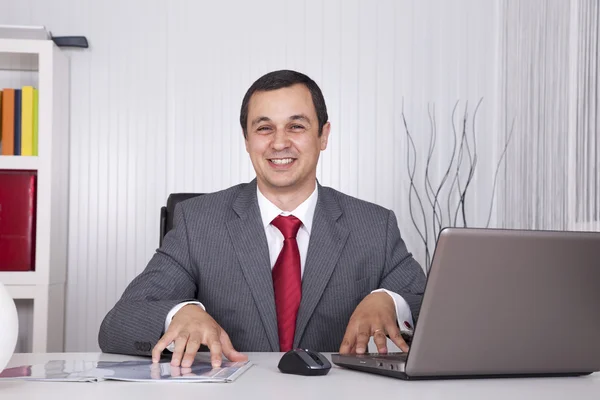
x=281 y=183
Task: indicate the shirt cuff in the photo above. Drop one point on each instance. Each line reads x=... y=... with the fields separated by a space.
x=172 y=313
x=403 y=314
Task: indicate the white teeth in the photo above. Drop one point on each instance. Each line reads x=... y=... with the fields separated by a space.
x=282 y=161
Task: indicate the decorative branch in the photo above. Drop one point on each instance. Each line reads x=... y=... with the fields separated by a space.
x=444 y=179
x=412 y=188
x=487 y=224
x=428 y=187
x=458 y=166
x=472 y=165
x=465 y=151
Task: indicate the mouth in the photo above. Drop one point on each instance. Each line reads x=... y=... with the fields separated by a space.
x=281 y=163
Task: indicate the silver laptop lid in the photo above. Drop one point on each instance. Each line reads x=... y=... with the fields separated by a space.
x=510 y=302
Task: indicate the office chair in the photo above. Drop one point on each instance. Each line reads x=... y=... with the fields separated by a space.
x=166 y=212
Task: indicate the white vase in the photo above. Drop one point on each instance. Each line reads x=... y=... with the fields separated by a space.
x=9 y=326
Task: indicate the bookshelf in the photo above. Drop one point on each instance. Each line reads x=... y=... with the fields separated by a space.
x=42 y=64
x=16 y=162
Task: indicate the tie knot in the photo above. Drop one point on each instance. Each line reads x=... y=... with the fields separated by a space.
x=288 y=226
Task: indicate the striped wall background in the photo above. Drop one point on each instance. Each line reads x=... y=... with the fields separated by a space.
x=549 y=89
x=155 y=103
x=535 y=39
x=584 y=119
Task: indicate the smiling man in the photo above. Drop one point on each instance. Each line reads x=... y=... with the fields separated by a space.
x=277 y=263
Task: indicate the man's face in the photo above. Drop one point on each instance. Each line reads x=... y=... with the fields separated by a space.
x=283 y=139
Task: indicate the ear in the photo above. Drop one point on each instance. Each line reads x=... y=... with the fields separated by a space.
x=325 y=135
x=246 y=144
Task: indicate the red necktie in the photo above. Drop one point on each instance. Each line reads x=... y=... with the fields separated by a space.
x=287 y=282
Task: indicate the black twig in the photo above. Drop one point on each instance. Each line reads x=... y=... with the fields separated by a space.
x=446 y=175
x=412 y=188
x=459 y=163
x=498 y=169
x=473 y=164
x=460 y=152
x=428 y=186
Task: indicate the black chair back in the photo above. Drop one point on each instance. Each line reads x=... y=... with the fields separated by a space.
x=167 y=212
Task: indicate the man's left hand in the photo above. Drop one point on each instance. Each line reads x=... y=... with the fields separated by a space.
x=374 y=316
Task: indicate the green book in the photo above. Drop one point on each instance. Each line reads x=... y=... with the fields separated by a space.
x=35 y=122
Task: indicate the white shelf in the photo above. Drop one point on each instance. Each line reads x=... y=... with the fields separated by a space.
x=19 y=162
x=22 y=54
x=20 y=277
x=25 y=46
x=46 y=285
x=22 y=291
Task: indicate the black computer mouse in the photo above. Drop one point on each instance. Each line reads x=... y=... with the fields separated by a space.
x=304 y=362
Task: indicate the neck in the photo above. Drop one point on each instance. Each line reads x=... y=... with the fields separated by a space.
x=287 y=199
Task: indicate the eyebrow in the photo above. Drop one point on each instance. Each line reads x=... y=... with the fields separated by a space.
x=300 y=117
x=260 y=119
x=292 y=118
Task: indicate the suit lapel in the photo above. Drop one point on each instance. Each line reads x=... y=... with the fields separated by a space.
x=327 y=239
x=250 y=244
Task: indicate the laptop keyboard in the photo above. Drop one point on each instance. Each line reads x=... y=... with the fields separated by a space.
x=393 y=356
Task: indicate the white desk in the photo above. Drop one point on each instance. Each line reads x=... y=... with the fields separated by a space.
x=264 y=381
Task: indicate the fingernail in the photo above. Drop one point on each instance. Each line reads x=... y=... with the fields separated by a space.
x=360 y=350
x=216 y=364
x=186 y=363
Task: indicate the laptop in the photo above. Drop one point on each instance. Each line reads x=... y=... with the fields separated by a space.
x=503 y=303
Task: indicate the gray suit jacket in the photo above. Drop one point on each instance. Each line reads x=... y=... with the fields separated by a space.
x=217 y=253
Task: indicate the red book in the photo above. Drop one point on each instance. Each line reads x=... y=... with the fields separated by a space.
x=17 y=220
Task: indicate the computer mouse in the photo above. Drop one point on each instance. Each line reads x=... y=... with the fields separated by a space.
x=304 y=362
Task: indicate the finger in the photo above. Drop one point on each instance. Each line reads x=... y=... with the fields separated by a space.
x=231 y=353
x=214 y=345
x=175 y=371
x=155 y=371
x=191 y=348
x=187 y=372
x=162 y=344
x=349 y=341
x=362 y=339
x=380 y=340
x=396 y=337
x=352 y=349
x=180 y=342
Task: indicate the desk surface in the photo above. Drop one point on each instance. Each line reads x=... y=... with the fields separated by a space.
x=264 y=381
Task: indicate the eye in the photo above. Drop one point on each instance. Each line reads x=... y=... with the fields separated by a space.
x=263 y=129
x=297 y=127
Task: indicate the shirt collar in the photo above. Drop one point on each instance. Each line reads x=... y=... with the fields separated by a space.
x=304 y=212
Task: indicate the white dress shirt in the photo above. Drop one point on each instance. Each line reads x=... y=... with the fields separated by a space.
x=304 y=212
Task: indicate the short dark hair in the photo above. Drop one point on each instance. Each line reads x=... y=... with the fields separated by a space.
x=282 y=79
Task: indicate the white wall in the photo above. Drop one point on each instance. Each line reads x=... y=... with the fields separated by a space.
x=155 y=103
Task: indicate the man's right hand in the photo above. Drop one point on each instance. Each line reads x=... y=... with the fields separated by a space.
x=190 y=328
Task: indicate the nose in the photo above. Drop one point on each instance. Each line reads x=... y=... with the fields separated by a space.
x=280 y=140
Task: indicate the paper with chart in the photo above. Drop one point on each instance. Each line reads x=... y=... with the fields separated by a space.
x=132 y=371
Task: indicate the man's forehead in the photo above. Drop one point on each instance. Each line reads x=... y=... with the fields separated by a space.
x=282 y=103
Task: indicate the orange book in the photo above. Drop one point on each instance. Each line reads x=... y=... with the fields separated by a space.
x=8 y=122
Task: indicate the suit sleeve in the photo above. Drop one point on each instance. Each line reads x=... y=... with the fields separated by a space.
x=402 y=273
x=136 y=322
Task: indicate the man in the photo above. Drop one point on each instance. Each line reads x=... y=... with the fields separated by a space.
x=277 y=263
